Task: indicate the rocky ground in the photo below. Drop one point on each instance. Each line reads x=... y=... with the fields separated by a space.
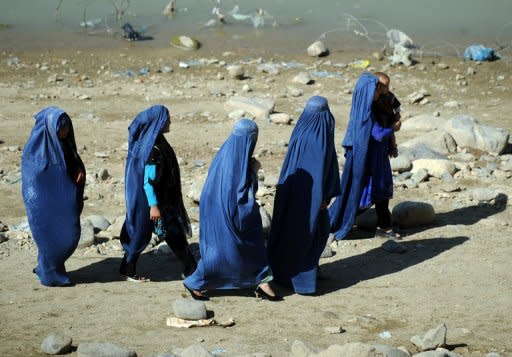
x=456 y=268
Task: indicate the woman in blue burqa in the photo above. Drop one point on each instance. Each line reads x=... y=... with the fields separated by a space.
x=231 y=242
x=53 y=180
x=366 y=177
x=309 y=180
x=154 y=202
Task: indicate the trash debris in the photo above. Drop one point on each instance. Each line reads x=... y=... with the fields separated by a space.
x=385 y=334
x=131 y=35
x=190 y=63
x=325 y=74
x=363 y=64
x=90 y=23
x=181 y=323
x=185 y=43
x=480 y=53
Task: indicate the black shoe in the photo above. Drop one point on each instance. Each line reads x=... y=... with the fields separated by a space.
x=263 y=295
x=194 y=296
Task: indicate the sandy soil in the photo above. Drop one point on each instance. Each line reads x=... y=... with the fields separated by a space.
x=456 y=271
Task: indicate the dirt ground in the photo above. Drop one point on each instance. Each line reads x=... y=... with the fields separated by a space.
x=456 y=271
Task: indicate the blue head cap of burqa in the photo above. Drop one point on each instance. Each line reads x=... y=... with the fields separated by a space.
x=43 y=146
x=144 y=130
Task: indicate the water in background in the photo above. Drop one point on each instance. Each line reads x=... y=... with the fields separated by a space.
x=284 y=26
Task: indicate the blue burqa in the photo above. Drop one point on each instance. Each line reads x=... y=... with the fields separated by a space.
x=309 y=178
x=233 y=254
x=142 y=134
x=342 y=212
x=53 y=201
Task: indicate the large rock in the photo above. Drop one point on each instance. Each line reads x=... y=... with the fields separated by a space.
x=412 y=214
x=86 y=234
x=98 y=349
x=303 y=349
x=196 y=351
x=353 y=349
x=467 y=132
x=116 y=227
x=422 y=123
x=420 y=151
x=432 y=339
x=401 y=163
x=195 y=190
x=259 y=107
x=388 y=351
x=189 y=309
x=56 y=344
x=434 y=167
x=439 y=141
x=99 y=222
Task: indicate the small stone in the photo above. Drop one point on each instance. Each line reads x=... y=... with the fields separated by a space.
x=103 y=174
x=317 y=49
x=296 y=92
x=303 y=78
x=56 y=344
x=236 y=71
x=280 y=118
x=334 y=330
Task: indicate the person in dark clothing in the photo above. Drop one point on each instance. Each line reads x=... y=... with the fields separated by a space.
x=153 y=194
x=387 y=115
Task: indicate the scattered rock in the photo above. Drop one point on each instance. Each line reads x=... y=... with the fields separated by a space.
x=259 y=107
x=280 y=118
x=434 y=167
x=189 y=309
x=99 y=349
x=303 y=349
x=86 y=234
x=303 y=78
x=99 y=222
x=432 y=339
x=236 y=71
x=196 y=351
x=317 y=49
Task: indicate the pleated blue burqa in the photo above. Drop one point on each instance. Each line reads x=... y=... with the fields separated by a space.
x=231 y=242
x=309 y=178
x=142 y=135
x=53 y=200
x=343 y=211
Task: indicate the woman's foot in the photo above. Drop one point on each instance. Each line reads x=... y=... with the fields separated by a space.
x=388 y=233
x=136 y=279
x=196 y=294
x=265 y=292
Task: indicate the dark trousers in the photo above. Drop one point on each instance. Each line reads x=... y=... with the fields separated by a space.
x=383 y=214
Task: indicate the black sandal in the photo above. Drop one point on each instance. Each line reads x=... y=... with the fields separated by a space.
x=264 y=296
x=194 y=295
x=391 y=233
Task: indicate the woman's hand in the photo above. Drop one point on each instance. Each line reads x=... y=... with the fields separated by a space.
x=154 y=213
x=80 y=178
x=255 y=165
